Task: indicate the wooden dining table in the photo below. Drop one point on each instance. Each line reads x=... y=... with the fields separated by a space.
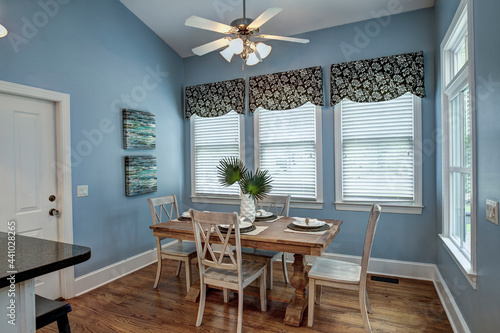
x=273 y=238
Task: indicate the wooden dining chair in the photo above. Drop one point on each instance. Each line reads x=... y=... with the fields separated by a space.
x=279 y=205
x=49 y=311
x=224 y=268
x=163 y=209
x=344 y=275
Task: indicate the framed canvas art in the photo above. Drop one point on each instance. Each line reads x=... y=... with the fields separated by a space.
x=139 y=130
x=140 y=175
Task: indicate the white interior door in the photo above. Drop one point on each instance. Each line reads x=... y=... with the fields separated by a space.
x=28 y=167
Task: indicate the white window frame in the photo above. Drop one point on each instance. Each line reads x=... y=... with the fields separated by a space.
x=214 y=198
x=416 y=207
x=450 y=85
x=300 y=203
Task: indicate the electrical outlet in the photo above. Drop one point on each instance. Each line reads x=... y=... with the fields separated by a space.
x=492 y=211
x=82 y=191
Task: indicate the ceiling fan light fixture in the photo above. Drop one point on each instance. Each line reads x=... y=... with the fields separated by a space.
x=227 y=53
x=236 y=45
x=3 y=31
x=263 y=49
x=252 y=59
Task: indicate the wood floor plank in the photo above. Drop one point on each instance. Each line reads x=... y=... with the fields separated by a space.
x=130 y=304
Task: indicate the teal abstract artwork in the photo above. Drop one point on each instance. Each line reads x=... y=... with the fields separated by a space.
x=140 y=175
x=139 y=130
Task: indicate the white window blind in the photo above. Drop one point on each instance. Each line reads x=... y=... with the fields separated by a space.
x=213 y=139
x=378 y=151
x=287 y=149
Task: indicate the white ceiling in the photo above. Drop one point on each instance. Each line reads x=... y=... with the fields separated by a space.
x=166 y=17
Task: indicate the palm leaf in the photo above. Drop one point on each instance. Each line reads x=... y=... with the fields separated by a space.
x=258 y=185
x=230 y=170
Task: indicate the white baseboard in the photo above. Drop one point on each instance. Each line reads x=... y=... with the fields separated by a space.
x=386 y=267
x=100 y=277
x=455 y=317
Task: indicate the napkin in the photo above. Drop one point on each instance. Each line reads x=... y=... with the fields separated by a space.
x=260 y=212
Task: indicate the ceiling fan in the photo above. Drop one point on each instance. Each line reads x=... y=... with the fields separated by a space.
x=240 y=43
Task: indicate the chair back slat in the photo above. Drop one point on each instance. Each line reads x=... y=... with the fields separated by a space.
x=163 y=206
x=370 y=233
x=207 y=234
x=279 y=203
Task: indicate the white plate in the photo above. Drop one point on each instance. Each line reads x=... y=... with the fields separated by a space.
x=263 y=214
x=242 y=225
x=313 y=223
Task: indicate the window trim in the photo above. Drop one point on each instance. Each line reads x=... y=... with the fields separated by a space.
x=300 y=203
x=449 y=86
x=417 y=207
x=214 y=198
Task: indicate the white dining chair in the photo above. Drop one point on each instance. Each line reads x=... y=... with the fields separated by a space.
x=224 y=267
x=279 y=205
x=344 y=275
x=165 y=209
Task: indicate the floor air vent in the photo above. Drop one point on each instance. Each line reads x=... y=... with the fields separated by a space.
x=385 y=279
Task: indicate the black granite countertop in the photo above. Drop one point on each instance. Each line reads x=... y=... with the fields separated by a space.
x=34 y=257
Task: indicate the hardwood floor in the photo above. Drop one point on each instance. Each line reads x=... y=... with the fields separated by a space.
x=130 y=304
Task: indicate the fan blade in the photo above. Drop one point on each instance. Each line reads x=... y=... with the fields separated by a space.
x=286 y=39
x=212 y=46
x=263 y=18
x=201 y=23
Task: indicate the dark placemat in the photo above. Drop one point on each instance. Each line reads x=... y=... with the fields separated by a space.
x=264 y=219
x=242 y=230
x=182 y=218
x=317 y=229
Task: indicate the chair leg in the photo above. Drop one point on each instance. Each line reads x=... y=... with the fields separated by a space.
x=159 y=264
x=226 y=295
x=263 y=293
x=188 y=273
x=63 y=324
x=285 y=272
x=240 y=311
x=179 y=265
x=201 y=308
x=368 y=306
x=318 y=291
x=312 y=294
x=364 y=314
x=269 y=278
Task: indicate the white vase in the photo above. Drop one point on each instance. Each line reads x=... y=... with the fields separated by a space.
x=247 y=208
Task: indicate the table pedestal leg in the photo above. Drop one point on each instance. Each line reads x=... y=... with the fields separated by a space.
x=298 y=303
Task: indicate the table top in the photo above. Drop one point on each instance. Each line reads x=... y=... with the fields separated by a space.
x=34 y=257
x=273 y=238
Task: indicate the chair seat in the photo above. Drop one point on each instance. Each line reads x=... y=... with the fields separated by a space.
x=335 y=270
x=48 y=311
x=250 y=270
x=249 y=252
x=180 y=249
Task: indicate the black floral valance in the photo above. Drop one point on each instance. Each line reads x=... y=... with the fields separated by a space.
x=379 y=79
x=215 y=99
x=286 y=90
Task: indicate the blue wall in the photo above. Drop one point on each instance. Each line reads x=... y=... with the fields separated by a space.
x=479 y=307
x=99 y=52
x=399 y=236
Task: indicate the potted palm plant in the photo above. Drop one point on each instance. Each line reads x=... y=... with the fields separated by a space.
x=253 y=186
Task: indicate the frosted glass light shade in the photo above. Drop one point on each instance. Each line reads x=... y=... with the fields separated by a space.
x=252 y=59
x=263 y=49
x=236 y=45
x=227 y=53
x=3 y=31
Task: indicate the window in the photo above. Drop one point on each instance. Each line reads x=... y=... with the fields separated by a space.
x=211 y=140
x=378 y=155
x=458 y=145
x=288 y=145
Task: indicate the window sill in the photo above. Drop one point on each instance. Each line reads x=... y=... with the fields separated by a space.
x=462 y=262
x=301 y=204
x=365 y=207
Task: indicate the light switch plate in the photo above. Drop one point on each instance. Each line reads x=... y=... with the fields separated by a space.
x=492 y=211
x=82 y=191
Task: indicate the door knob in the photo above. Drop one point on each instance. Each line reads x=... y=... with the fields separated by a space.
x=53 y=212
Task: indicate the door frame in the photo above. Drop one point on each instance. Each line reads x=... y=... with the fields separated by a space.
x=63 y=167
